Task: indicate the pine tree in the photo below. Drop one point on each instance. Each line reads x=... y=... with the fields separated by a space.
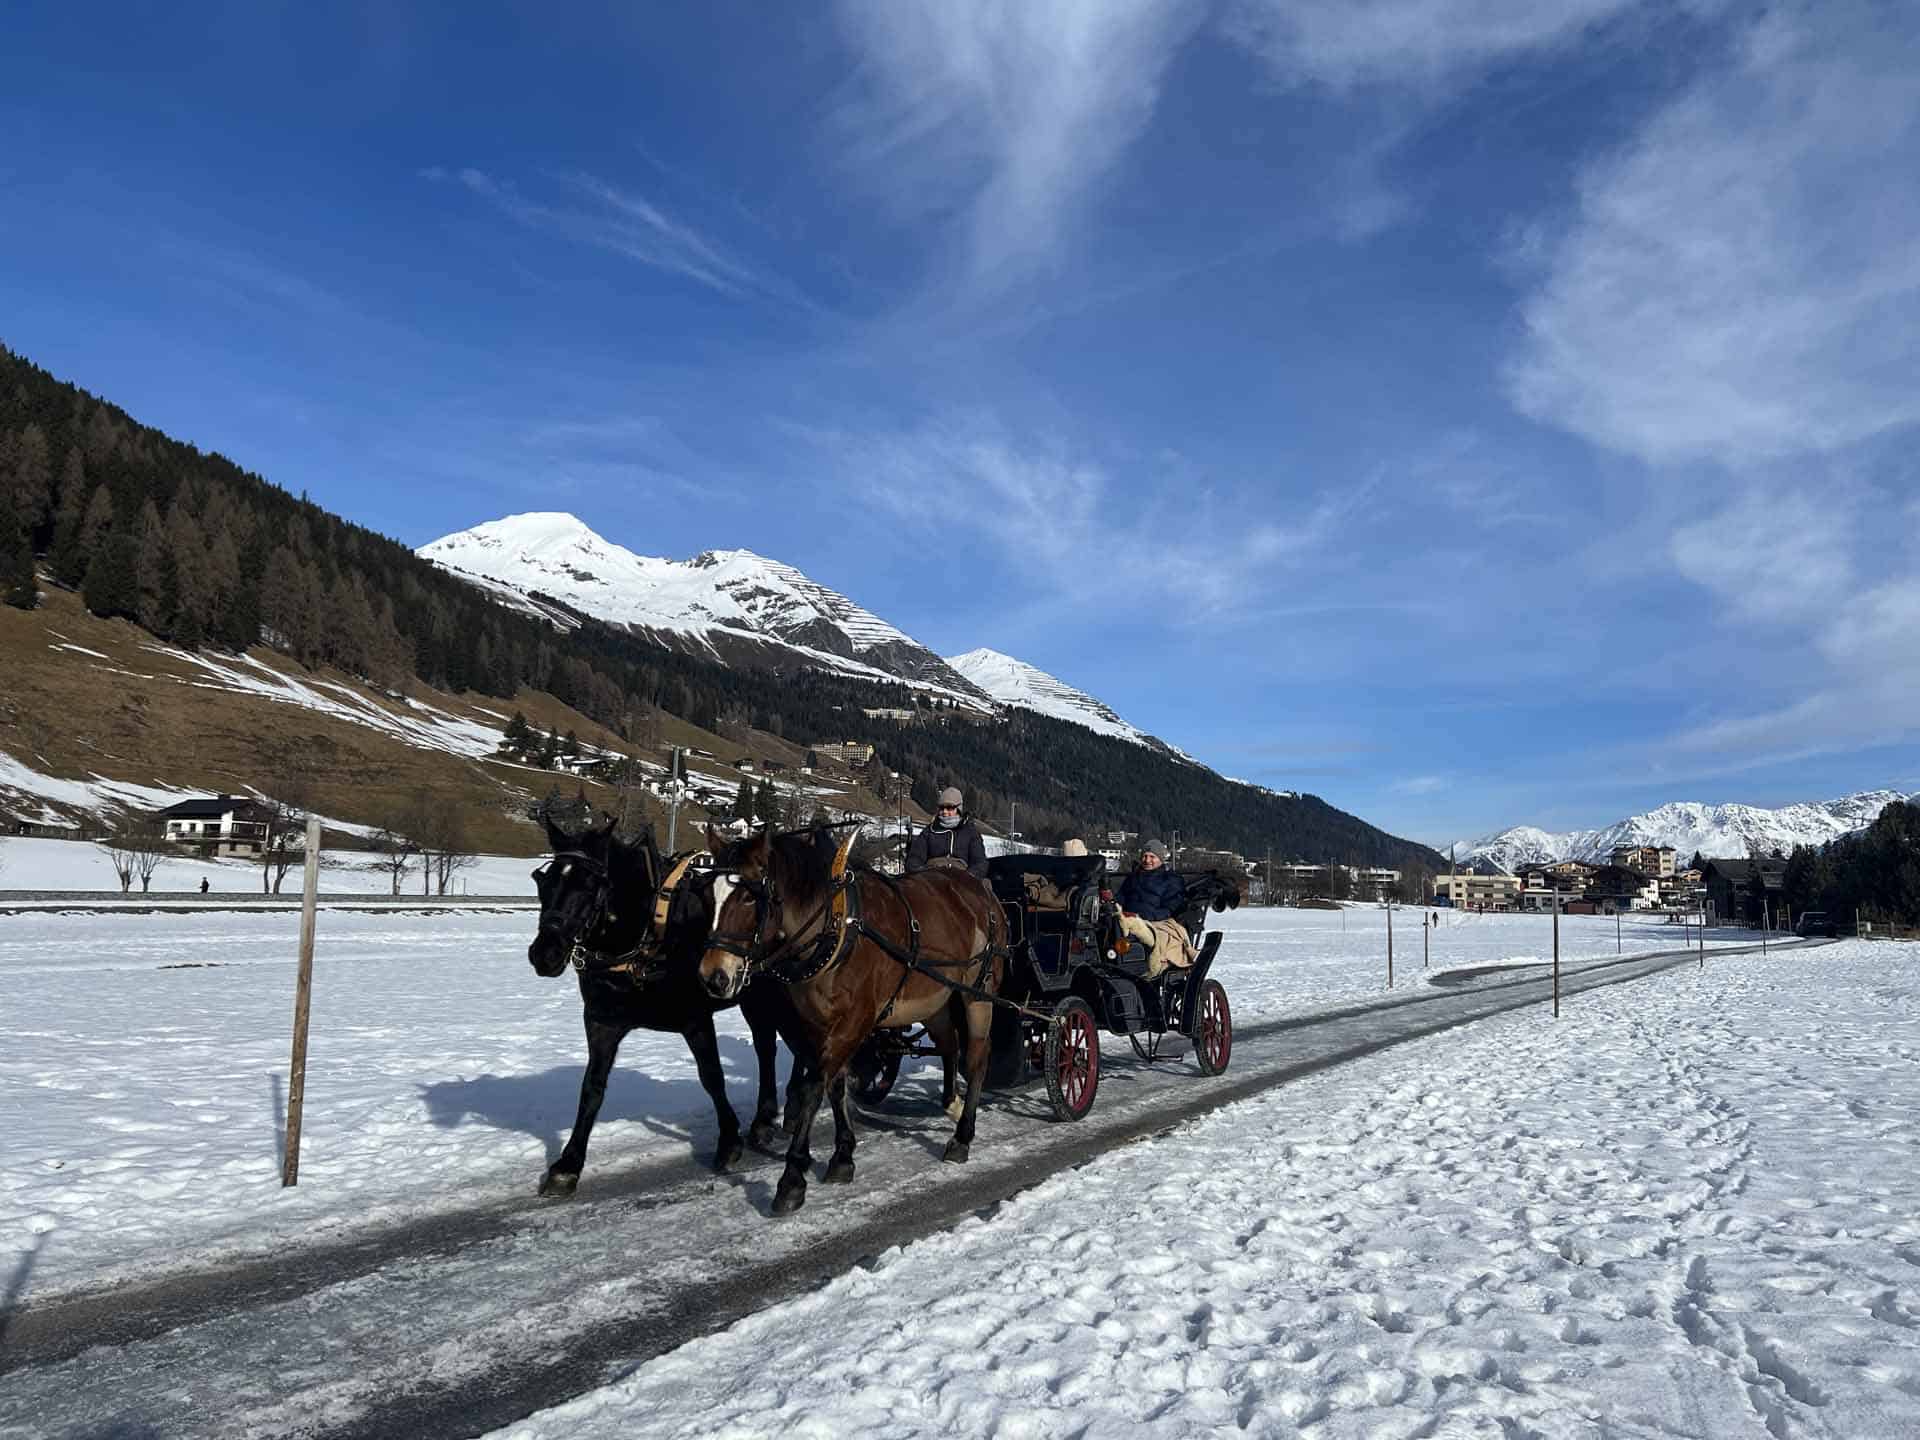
x=766 y=803
x=743 y=801
x=17 y=584
x=150 y=561
x=112 y=585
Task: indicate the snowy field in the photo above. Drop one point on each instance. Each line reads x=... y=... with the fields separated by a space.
x=1690 y=1209
x=38 y=864
x=144 y=1066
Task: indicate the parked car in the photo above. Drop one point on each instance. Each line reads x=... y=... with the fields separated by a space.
x=1815 y=922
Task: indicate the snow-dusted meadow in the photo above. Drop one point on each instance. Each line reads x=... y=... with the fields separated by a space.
x=39 y=864
x=144 y=1067
x=1691 y=1209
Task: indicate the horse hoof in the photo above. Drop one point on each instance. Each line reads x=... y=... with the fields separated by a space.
x=955 y=1152
x=789 y=1198
x=558 y=1185
x=728 y=1155
x=839 y=1172
x=763 y=1135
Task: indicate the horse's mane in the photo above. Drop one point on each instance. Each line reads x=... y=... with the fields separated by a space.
x=805 y=858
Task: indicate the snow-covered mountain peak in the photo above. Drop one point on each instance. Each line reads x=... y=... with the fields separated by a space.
x=1014 y=682
x=1715 y=831
x=733 y=591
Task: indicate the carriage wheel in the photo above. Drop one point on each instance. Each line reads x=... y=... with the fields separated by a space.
x=1213 y=1036
x=1073 y=1059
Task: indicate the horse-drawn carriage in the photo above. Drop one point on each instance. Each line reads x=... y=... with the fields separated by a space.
x=1012 y=979
x=1072 y=974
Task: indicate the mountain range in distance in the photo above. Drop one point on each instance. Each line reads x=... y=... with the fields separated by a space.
x=735 y=605
x=1715 y=831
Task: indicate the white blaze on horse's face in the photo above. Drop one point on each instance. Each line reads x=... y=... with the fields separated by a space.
x=722 y=888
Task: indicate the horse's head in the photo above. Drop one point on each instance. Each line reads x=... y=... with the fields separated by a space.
x=743 y=925
x=587 y=888
x=774 y=881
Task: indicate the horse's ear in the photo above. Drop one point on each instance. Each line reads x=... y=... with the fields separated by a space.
x=608 y=820
x=557 y=839
x=758 y=852
x=714 y=842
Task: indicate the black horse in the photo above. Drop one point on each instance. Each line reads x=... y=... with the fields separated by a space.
x=638 y=969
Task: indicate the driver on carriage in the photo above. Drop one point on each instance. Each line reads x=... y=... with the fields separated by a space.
x=951 y=842
x=1151 y=899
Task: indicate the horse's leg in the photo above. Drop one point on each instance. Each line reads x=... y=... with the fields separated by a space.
x=947 y=1041
x=603 y=1043
x=804 y=1086
x=840 y=1167
x=706 y=1059
x=766 y=1049
x=979 y=1024
x=825 y=1067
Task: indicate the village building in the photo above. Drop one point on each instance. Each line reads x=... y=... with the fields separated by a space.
x=1477 y=892
x=1743 y=891
x=219 y=825
x=1654 y=861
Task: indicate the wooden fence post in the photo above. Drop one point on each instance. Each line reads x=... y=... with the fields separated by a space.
x=302 y=1001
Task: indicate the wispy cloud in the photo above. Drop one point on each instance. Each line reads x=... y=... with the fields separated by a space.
x=1006 y=113
x=1201 y=555
x=1741 y=281
x=1831 y=585
x=1342 y=44
x=620 y=221
x=1422 y=785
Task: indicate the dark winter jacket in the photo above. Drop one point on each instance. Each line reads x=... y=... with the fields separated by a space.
x=963 y=842
x=1153 y=894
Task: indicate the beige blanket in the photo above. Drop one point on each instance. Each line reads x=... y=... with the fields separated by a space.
x=1168 y=940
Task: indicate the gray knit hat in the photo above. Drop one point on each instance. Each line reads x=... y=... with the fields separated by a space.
x=1155 y=847
x=951 y=796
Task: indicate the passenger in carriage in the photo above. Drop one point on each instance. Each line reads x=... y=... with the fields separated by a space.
x=952 y=841
x=1151 y=899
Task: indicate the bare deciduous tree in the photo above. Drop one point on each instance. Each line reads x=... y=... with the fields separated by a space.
x=135 y=846
x=396 y=852
x=283 y=843
x=437 y=827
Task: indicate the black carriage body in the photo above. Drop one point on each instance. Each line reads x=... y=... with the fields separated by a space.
x=1062 y=944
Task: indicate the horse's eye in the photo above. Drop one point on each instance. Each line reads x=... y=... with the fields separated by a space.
x=566 y=869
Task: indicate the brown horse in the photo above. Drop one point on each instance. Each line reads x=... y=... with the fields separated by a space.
x=859 y=951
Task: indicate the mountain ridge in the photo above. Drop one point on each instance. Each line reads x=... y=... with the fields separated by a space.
x=1689 y=826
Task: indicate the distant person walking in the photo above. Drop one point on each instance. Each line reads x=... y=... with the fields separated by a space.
x=203 y=884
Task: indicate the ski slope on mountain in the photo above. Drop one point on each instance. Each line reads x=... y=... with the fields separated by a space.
x=1715 y=831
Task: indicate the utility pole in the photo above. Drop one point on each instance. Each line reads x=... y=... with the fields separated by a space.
x=1556 y=952
x=1013 y=810
x=1389 y=945
x=676 y=787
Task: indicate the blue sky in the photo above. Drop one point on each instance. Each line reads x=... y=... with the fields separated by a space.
x=1475 y=412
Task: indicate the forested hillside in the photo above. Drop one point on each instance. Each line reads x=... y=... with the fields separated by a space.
x=202 y=553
